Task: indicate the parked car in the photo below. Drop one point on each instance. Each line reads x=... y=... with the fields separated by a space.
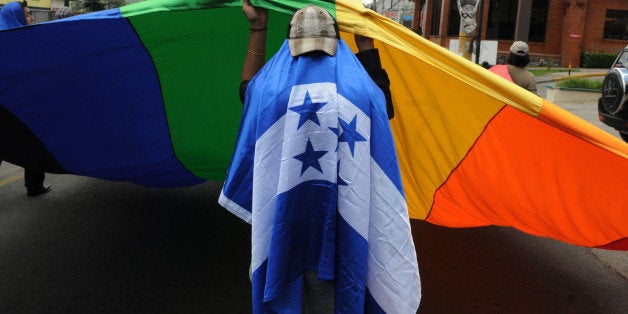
x=613 y=105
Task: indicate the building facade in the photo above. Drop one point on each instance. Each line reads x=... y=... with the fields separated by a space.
x=400 y=11
x=557 y=31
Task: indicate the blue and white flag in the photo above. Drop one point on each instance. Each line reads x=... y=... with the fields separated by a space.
x=315 y=172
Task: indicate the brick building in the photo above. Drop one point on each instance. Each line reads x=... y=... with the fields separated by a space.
x=556 y=30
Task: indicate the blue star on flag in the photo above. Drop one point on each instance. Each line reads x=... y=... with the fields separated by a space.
x=308 y=110
x=310 y=157
x=350 y=134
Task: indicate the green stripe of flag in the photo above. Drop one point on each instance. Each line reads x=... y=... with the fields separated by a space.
x=198 y=48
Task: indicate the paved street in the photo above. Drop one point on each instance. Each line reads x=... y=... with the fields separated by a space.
x=585 y=110
x=91 y=246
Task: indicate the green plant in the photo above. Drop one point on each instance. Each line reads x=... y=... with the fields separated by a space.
x=84 y=6
x=581 y=83
x=598 y=59
x=550 y=62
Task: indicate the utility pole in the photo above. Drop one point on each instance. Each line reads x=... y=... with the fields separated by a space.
x=478 y=37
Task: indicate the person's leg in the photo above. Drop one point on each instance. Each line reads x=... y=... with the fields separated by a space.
x=34 y=182
x=318 y=296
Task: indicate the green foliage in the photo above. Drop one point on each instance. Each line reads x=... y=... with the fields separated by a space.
x=581 y=83
x=550 y=62
x=85 y=6
x=598 y=59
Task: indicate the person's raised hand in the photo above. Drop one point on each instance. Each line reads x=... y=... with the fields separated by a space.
x=258 y=17
x=363 y=42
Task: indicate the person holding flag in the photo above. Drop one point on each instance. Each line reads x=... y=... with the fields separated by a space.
x=17 y=14
x=315 y=173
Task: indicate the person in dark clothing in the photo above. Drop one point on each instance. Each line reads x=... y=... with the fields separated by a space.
x=17 y=14
x=313 y=33
x=515 y=71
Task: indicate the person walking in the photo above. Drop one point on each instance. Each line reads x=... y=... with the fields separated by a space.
x=515 y=71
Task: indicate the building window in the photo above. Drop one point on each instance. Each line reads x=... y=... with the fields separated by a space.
x=616 y=24
x=538 y=21
x=435 y=27
x=453 y=29
x=502 y=16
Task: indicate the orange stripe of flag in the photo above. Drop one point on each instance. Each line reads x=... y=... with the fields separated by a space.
x=539 y=179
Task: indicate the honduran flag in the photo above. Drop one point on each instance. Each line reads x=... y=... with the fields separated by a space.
x=315 y=173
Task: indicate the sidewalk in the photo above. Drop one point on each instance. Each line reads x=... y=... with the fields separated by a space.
x=581 y=73
x=543 y=81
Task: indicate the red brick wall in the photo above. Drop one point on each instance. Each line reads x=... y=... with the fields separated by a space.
x=594 y=30
x=573 y=32
x=565 y=18
x=554 y=31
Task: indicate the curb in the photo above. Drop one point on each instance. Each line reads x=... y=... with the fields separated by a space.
x=560 y=78
x=578 y=76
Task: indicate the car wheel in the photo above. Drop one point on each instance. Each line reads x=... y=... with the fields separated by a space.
x=614 y=94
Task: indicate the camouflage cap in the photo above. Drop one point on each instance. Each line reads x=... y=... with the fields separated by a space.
x=312 y=28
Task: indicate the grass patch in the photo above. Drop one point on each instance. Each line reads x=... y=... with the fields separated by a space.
x=581 y=83
x=538 y=72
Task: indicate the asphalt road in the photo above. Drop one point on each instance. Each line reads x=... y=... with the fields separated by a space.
x=91 y=246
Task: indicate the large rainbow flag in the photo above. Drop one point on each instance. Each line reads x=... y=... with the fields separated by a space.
x=148 y=93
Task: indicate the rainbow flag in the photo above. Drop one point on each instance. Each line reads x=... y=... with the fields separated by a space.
x=148 y=93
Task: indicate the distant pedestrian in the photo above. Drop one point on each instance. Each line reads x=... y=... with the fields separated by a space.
x=515 y=70
x=15 y=14
x=63 y=12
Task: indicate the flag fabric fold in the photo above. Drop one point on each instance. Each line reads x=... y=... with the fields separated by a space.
x=314 y=171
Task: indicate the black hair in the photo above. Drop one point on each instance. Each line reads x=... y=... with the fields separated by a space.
x=518 y=61
x=24 y=4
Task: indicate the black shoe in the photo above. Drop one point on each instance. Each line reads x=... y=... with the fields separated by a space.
x=43 y=189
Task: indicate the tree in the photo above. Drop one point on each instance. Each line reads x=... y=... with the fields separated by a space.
x=84 y=6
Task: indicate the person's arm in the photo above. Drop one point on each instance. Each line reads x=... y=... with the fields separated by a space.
x=256 y=50
x=369 y=57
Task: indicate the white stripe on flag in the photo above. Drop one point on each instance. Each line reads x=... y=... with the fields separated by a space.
x=321 y=137
x=392 y=271
x=265 y=178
